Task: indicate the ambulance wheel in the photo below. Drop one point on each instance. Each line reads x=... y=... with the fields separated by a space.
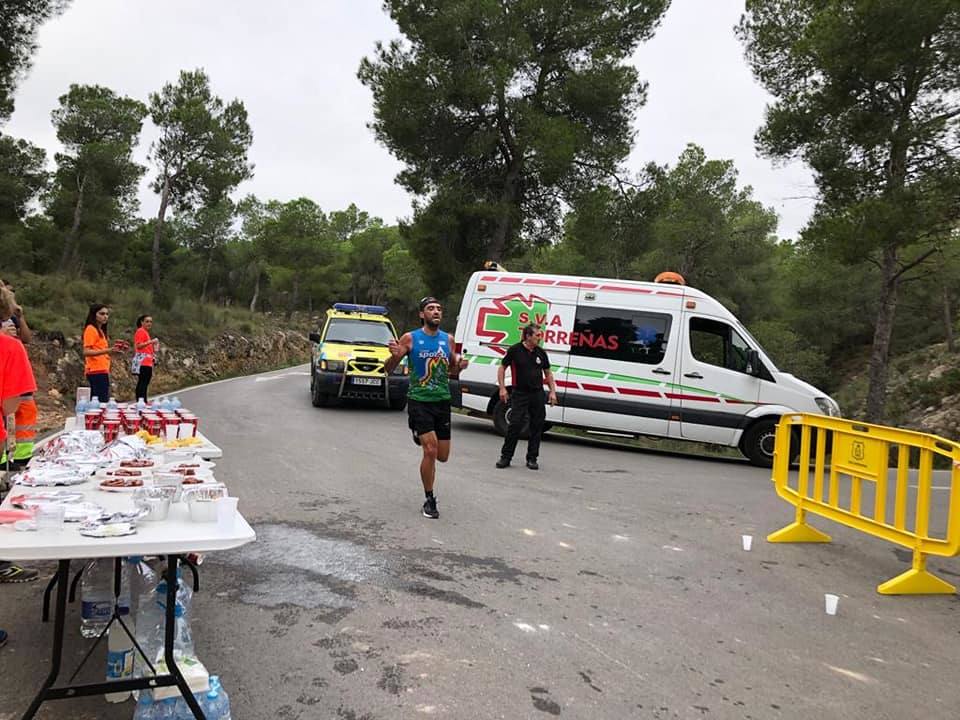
x=318 y=398
x=759 y=441
x=501 y=420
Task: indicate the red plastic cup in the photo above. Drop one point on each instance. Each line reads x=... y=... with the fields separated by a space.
x=152 y=424
x=92 y=419
x=191 y=420
x=111 y=429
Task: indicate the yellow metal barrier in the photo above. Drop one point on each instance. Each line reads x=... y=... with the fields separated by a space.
x=860 y=454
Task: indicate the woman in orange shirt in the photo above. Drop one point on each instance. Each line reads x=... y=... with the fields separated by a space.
x=97 y=351
x=144 y=349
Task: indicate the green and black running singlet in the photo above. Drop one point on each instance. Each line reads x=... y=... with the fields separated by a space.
x=429 y=366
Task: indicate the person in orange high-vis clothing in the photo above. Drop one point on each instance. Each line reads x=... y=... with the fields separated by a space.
x=26 y=415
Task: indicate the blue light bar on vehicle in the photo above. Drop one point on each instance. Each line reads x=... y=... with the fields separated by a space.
x=369 y=309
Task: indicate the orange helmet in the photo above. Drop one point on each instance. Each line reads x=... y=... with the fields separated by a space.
x=670 y=278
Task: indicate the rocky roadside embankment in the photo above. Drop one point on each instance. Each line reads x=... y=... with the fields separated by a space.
x=58 y=366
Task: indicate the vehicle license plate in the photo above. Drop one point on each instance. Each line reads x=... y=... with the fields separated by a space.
x=366 y=381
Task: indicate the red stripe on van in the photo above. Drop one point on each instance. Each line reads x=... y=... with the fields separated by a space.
x=697 y=398
x=639 y=393
x=511 y=280
x=671 y=294
x=565 y=384
x=597 y=388
x=538 y=281
x=623 y=288
x=568 y=283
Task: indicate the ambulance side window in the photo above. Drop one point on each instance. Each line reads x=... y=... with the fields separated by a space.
x=620 y=335
x=716 y=343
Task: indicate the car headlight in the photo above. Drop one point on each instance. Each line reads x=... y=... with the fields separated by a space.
x=828 y=406
x=332 y=365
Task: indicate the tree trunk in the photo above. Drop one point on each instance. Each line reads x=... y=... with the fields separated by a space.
x=73 y=236
x=256 y=294
x=508 y=204
x=157 y=233
x=948 y=319
x=206 y=277
x=882 y=333
x=296 y=294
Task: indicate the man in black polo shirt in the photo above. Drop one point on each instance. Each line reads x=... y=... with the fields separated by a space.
x=529 y=367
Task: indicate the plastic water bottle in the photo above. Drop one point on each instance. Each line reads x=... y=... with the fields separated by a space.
x=94 y=403
x=218 y=704
x=166 y=710
x=81 y=408
x=175 y=403
x=146 y=707
x=183 y=711
x=143 y=582
x=96 y=596
x=112 y=404
x=182 y=637
x=141 y=405
x=120 y=654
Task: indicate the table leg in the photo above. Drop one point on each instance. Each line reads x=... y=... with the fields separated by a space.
x=46 y=596
x=59 y=621
x=169 y=633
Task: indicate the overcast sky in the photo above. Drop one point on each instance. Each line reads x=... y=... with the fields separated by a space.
x=294 y=63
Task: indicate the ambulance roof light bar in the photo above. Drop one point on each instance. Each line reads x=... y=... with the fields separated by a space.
x=368 y=309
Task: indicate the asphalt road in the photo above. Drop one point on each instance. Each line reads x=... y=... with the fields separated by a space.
x=610 y=584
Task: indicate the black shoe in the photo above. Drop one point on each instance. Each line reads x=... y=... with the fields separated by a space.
x=3 y=638
x=503 y=462
x=16 y=574
x=430 y=509
x=416 y=437
x=532 y=465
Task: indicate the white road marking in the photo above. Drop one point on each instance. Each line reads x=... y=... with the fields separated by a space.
x=673 y=547
x=529 y=533
x=282 y=375
x=572 y=527
x=620 y=538
x=527 y=628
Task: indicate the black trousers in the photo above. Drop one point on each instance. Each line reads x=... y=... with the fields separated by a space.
x=99 y=386
x=525 y=405
x=143 y=381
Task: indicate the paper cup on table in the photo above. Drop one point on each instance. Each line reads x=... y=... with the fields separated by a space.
x=170 y=431
x=184 y=430
x=747 y=541
x=70 y=424
x=226 y=512
x=831 y=602
x=50 y=516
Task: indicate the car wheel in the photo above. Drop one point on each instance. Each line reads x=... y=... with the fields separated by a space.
x=759 y=441
x=501 y=420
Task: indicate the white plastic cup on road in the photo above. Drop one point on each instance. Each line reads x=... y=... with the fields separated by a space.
x=747 y=542
x=227 y=512
x=830 y=603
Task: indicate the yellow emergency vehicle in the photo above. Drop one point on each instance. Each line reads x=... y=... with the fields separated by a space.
x=348 y=358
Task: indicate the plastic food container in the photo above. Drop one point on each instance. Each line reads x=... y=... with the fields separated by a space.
x=202 y=501
x=155 y=500
x=172 y=481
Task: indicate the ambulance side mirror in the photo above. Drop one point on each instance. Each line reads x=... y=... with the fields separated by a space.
x=753 y=363
x=315 y=337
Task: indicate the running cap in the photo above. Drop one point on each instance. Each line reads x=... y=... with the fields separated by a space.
x=428 y=300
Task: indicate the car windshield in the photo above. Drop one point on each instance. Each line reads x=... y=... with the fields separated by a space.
x=358 y=332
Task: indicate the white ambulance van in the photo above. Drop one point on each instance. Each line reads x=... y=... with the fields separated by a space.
x=634 y=358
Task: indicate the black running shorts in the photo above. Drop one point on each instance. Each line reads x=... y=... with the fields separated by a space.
x=426 y=417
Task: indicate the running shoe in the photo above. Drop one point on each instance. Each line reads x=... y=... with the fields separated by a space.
x=532 y=465
x=16 y=574
x=503 y=462
x=3 y=638
x=430 y=509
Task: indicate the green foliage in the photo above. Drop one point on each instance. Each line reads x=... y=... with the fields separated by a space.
x=19 y=21
x=868 y=94
x=500 y=110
